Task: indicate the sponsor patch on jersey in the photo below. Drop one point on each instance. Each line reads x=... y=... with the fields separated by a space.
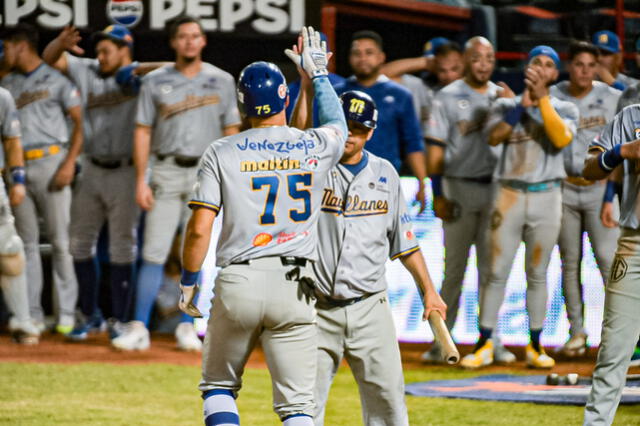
x=382 y=179
x=282 y=91
x=311 y=163
x=409 y=235
x=284 y=237
x=269 y=165
x=125 y=12
x=262 y=239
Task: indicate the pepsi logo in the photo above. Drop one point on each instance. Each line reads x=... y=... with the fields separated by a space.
x=125 y=12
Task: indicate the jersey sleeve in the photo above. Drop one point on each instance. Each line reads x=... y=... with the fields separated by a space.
x=231 y=114
x=146 y=107
x=69 y=94
x=78 y=69
x=330 y=140
x=410 y=133
x=438 y=128
x=207 y=192
x=402 y=240
x=9 y=118
x=497 y=110
x=613 y=132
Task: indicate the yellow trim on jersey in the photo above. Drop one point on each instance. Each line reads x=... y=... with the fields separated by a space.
x=406 y=252
x=596 y=148
x=203 y=204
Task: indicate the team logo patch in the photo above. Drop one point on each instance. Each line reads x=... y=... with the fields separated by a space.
x=618 y=269
x=282 y=91
x=463 y=104
x=166 y=88
x=262 y=239
x=409 y=235
x=125 y=12
x=372 y=185
x=311 y=162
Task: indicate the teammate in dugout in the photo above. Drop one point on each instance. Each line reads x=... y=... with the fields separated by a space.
x=13 y=280
x=582 y=198
x=44 y=97
x=458 y=152
x=106 y=189
x=268 y=240
x=532 y=129
x=181 y=109
x=617 y=145
x=351 y=288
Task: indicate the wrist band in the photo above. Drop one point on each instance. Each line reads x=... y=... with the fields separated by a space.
x=18 y=175
x=512 y=117
x=610 y=159
x=613 y=188
x=189 y=278
x=436 y=185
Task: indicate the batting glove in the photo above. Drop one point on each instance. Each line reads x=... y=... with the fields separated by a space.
x=187 y=296
x=313 y=58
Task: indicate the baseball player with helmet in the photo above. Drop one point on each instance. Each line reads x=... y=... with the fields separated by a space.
x=611 y=61
x=270 y=179
x=617 y=145
x=181 y=109
x=12 y=259
x=44 y=97
x=106 y=191
x=582 y=198
x=531 y=130
x=458 y=152
x=364 y=211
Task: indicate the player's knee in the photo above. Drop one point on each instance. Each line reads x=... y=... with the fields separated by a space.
x=123 y=253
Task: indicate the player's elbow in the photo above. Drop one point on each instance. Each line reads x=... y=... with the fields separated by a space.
x=562 y=140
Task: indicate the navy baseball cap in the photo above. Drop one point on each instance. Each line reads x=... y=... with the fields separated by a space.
x=547 y=51
x=607 y=41
x=431 y=46
x=117 y=33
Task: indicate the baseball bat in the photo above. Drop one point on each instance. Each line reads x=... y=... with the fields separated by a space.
x=449 y=351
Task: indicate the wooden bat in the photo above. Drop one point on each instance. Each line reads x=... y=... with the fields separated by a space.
x=449 y=351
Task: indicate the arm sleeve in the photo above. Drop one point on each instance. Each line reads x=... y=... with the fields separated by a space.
x=146 y=108
x=402 y=240
x=206 y=192
x=561 y=125
x=610 y=135
x=231 y=112
x=329 y=109
x=438 y=122
x=9 y=118
x=410 y=133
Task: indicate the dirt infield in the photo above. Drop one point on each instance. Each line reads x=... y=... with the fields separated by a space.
x=54 y=348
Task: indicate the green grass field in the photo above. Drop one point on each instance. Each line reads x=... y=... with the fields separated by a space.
x=162 y=394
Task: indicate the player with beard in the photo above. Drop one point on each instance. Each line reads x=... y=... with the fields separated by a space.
x=461 y=165
x=398 y=136
x=181 y=109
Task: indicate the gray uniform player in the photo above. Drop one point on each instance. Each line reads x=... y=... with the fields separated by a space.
x=181 y=109
x=43 y=97
x=459 y=152
x=582 y=198
x=270 y=179
x=106 y=190
x=618 y=144
x=531 y=129
x=364 y=211
x=12 y=259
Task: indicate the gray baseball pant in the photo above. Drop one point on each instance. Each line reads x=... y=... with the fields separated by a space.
x=532 y=217
x=54 y=209
x=474 y=201
x=172 y=186
x=581 y=211
x=620 y=331
x=364 y=334
x=258 y=302
x=105 y=195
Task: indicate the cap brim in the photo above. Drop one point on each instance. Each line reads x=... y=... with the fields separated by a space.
x=99 y=36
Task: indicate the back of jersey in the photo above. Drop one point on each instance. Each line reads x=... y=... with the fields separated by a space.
x=270 y=182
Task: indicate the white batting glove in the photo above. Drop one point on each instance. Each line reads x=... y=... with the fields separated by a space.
x=187 y=294
x=313 y=58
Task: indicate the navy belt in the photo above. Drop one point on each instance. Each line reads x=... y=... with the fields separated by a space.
x=480 y=179
x=111 y=164
x=286 y=261
x=324 y=302
x=532 y=187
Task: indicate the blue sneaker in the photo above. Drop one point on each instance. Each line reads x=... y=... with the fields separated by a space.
x=82 y=330
x=635 y=358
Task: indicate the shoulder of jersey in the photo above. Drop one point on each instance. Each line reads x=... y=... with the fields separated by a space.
x=214 y=70
x=605 y=88
x=397 y=87
x=382 y=165
x=163 y=71
x=451 y=88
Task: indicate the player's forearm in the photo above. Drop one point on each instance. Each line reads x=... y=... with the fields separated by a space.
x=435 y=160
x=418 y=165
x=197 y=238
x=415 y=264
x=54 y=54
x=329 y=108
x=13 y=152
x=141 y=149
x=500 y=133
x=302 y=114
x=556 y=129
x=77 y=138
x=396 y=68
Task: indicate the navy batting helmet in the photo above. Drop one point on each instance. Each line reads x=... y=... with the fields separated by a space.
x=358 y=106
x=262 y=90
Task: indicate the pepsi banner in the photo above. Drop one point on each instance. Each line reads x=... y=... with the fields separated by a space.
x=271 y=17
